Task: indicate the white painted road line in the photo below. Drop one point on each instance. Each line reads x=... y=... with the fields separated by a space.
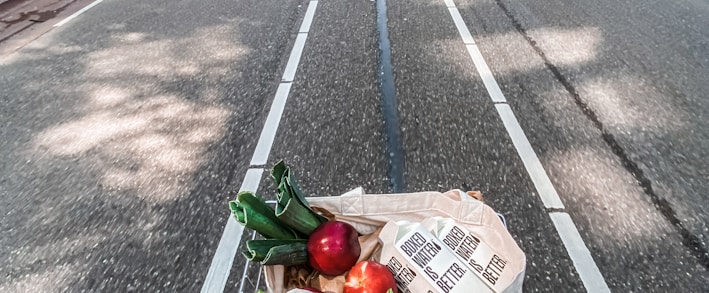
x=308 y=19
x=493 y=89
x=529 y=158
x=460 y=24
x=224 y=256
x=586 y=267
x=268 y=134
x=294 y=58
x=229 y=243
x=579 y=253
x=64 y=21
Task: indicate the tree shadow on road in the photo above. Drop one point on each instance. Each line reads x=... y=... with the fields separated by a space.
x=125 y=137
x=449 y=124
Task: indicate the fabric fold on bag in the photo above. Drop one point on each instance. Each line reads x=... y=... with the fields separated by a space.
x=369 y=212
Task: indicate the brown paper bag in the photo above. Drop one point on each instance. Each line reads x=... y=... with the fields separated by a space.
x=369 y=212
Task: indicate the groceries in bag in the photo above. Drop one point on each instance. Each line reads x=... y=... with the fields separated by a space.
x=452 y=250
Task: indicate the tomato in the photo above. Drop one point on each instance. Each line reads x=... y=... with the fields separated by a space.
x=369 y=277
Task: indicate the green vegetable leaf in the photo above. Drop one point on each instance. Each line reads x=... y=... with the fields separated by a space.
x=292 y=207
x=253 y=212
x=277 y=252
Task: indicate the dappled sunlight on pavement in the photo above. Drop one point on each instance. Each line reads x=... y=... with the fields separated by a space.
x=138 y=139
x=44 y=281
x=610 y=96
x=156 y=141
x=570 y=46
x=109 y=139
x=137 y=53
x=619 y=205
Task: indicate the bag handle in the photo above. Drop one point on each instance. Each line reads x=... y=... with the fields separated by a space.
x=454 y=204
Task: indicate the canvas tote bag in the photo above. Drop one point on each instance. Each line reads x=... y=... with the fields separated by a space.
x=369 y=212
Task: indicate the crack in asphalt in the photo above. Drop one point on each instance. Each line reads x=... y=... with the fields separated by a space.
x=689 y=240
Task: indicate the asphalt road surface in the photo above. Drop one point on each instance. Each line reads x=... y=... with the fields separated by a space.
x=126 y=129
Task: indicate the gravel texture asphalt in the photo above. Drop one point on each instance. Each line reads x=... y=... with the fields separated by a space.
x=126 y=131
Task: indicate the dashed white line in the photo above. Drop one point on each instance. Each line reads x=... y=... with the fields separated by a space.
x=459 y=23
x=586 y=267
x=224 y=256
x=229 y=243
x=294 y=58
x=82 y=10
x=493 y=89
x=308 y=18
x=529 y=158
x=491 y=85
x=268 y=134
x=579 y=253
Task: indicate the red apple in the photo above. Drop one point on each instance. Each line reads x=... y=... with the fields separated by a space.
x=333 y=248
x=369 y=277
